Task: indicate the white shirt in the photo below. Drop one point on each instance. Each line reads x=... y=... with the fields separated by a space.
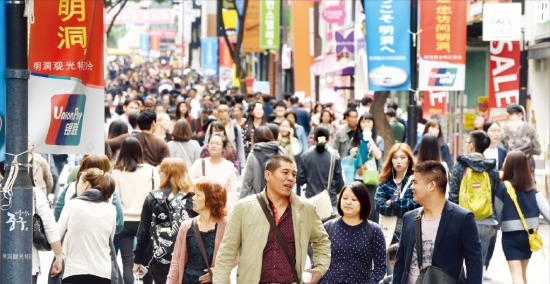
x=492 y=154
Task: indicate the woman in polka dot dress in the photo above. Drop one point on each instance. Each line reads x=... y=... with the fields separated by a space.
x=358 y=246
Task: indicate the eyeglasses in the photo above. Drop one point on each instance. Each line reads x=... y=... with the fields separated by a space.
x=215 y=144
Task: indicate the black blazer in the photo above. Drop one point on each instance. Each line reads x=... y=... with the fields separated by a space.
x=457 y=240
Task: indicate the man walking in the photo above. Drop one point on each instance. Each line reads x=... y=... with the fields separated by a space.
x=345 y=133
x=449 y=232
x=262 y=259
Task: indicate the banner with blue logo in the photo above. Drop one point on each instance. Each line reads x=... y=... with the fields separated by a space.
x=209 y=56
x=144 y=45
x=388 y=45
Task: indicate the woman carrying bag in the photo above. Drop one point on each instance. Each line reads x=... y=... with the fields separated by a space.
x=199 y=238
x=517 y=208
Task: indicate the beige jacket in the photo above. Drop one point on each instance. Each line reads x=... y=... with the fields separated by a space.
x=41 y=173
x=246 y=235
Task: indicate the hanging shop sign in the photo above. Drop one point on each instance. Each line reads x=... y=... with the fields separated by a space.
x=388 y=45
x=435 y=103
x=303 y=29
x=504 y=73
x=269 y=24
x=501 y=21
x=209 y=58
x=442 y=60
x=335 y=14
x=344 y=42
x=66 y=83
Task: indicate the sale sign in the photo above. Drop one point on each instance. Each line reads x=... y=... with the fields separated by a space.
x=504 y=73
x=435 y=103
x=66 y=82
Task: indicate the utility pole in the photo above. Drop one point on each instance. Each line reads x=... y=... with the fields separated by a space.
x=411 y=111
x=17 y=211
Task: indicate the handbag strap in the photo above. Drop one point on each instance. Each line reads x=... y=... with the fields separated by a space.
x=201 y=245
x=203 y=167
x=184 y=152
x=152 y=178
x=278 y=234
x=331 y=171
x=512 y=192
x=405 y=187
x=34 y=198
x=418 y=237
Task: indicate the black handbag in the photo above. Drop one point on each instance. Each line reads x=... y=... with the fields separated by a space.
x=431 y=274
x=39 y=239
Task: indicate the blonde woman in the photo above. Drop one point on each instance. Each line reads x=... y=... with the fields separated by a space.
x=162 y=127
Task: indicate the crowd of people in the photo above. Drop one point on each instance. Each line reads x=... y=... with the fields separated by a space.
x=196 y=181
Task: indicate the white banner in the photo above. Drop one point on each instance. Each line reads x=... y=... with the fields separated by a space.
x=502 y=21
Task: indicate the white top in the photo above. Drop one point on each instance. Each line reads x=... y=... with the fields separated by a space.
x=88 y=227
x=133 y=188
x=50 y=227
x=492 y=154
x=223 y=173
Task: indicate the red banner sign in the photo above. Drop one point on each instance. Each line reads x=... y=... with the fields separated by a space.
x=435 y=103
x=504 y=74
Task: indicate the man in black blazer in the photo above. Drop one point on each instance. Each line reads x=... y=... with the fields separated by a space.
x=449 y=232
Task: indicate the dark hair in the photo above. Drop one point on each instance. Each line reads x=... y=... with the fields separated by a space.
x=347 y=112
x=280 y=104
x=393 y=105
x=289 y=112
x=133 y=119
x=182 y=131
x=129 y=101
x=218 y=125
x=434 y=171
x=290 y=123
x=516 y=171
x=357 y=134
x=215 y=197
x=100 y=180
x=274 y=162
x=427 y=149
x=488 y=125
x=392 y=251
x=263 y=134
x=366 y=100
x=146 y=118
x=326 y=111
x=250 y=119
x=294 y=99
x=182 y=115
x=387 y=169
x=224 y=139
x=274 y=129
x=321 y=131
x=391 y=112
x=433 y=122
x=130 y=155
x=117 y=128
x=362 y=194
x=480 y=140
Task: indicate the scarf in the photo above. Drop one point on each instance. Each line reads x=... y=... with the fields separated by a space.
x=93 y=195
x=284 y=142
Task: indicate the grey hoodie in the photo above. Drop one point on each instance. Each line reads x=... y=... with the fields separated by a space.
x=253 y=175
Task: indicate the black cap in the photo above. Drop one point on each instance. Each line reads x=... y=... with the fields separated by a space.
x=514 y=108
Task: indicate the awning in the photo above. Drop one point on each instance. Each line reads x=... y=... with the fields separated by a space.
x=539 y=51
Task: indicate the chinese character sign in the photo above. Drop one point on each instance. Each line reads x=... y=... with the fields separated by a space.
x=66 y=82
x=269 y=24
x=442 y=45
x=388 y=44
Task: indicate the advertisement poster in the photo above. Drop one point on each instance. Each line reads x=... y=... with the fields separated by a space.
x=442 y=60
x=435 y=103
x=388 y=45
x=304 y=47
x=504 y=73
x=269 y=24
x=66 y=82
x=209 y=56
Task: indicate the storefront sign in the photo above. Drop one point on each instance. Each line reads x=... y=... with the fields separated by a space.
x=501 y=21
x=157 y=16
x=209 y=58
x=388 y=45
x=269 y=24
x=344 y=42
x=504 y=73
x=66 y=83
x=442 y=45
x=335 y=14
x=435 y=103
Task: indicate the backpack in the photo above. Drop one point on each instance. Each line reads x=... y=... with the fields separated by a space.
x=475 y=193
x=168 y=214
x=521 y=143
x=262 y=159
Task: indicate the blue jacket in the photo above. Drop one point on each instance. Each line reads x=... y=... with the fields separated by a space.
x=501 y=156
x=456 y=241
x=532 y=204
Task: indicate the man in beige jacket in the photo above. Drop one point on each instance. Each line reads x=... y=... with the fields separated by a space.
x=248 y=233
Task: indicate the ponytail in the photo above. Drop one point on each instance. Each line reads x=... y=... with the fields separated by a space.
x=322 y=135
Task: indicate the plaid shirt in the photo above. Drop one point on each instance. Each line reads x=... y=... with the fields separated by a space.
x=399 y=206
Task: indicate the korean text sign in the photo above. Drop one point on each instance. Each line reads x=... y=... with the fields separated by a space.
x=388 y=44
x=442 y=45
x=269 y=24
x=66 y=83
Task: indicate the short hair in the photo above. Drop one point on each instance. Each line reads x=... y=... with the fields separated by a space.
x=393 y=105
x=217 y=125
x=215 y=196
x=366 y=100
x=280 y=104
x=274 y=162
x=100 y=180
x=434 y=171
x=391 y=112
x=516 y=171
x=223 y=107
x=347 y=112
x=146 y=118
x=224 y=139
x=130 y=155
x=480 y=140
x=263 y=134
x=182 y=131
x=362 y=194
x=392 y=251
x=294 y=99
x=129 y=101
x=175 y=175
x=117 y=128
x=101 y=162
x=133 y=119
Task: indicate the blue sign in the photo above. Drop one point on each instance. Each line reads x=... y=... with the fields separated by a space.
x=388 y=44
x=144 y=45
x=2 y=81
x=209 y=56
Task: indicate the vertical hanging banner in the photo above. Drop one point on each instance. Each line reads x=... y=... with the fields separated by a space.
x=388 y=44
x=66 y=82
x=303 y=30
x=442 y=62
x=269 y=24
x=435 y=103
x=209 y=56
x=504 y=74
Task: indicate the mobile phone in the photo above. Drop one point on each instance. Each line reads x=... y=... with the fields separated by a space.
x=143 y=269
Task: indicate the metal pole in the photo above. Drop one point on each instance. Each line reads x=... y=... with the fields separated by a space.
x=16 y=217
x=411 y=110
x=282 y=36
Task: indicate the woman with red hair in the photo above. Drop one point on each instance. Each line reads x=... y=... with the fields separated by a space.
x=189 y=264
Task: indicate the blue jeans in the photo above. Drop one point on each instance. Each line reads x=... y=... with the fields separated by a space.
x=485 y=234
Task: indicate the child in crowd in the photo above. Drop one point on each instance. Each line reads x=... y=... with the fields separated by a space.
x=392 y=252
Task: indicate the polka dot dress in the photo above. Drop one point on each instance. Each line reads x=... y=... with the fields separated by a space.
x=353 y=256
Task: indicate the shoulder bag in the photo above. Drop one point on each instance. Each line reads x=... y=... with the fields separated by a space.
x=201 y=245
x=431 y=274
x=371 y=176
x=322 y=202
x=39 y=239
x=185 y=152
x=278 y=235
x=389 y=223
x=535 y=240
